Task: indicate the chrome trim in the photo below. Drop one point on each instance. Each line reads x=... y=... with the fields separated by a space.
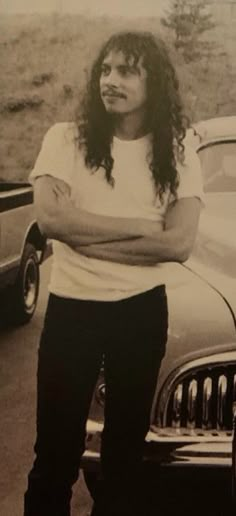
x=177 y=402
x=170 y=447
x=100 y=394
x=234 y=399
x=91 y=461
x=170 y=435
x=15 y=191
x=234 y=388
x=221 y=401
x=162 y=401
x=207 y=402
x=210 y=142
x=192 y=398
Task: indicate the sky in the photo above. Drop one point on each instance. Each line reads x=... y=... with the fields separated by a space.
x=94 y=7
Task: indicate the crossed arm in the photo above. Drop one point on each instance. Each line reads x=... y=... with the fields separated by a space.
x=122 y=240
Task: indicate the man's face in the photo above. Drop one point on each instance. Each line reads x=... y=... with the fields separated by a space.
x=123 y=85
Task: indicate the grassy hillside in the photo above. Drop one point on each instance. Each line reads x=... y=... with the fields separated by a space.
x=44 y=64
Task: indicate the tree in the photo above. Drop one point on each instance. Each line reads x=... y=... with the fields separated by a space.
x=189 y=20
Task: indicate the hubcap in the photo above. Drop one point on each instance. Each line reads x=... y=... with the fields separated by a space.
x=30 y=285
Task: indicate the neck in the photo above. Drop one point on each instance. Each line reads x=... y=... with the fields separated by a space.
x=130 y=126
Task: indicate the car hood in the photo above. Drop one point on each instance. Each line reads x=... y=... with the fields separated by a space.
x=223 y=203
x=201 y=322
x=200 y=325
x=222 y=283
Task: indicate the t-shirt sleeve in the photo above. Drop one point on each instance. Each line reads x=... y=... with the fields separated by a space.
x=56 y=154
x=190 y=176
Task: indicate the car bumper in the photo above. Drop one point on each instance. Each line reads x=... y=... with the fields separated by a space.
x=170 y=448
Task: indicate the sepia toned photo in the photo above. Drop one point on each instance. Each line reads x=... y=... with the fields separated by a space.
x=118 y=258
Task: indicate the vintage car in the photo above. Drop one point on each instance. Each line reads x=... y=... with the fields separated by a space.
x=192 y=415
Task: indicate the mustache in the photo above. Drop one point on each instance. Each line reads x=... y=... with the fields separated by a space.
x=113 y=93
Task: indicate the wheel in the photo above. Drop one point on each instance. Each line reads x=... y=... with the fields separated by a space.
x=26 y=288
x=21 y=298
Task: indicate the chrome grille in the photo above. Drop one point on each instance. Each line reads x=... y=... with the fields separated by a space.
x=203 y=399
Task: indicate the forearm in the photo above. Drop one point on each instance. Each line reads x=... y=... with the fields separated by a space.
x=165 y=246
x=115 y=253
x=60 y=219
x=77 y=227
x=128 y=239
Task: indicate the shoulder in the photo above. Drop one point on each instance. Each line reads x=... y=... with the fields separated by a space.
x=57 y=153
x=189 y=173
x=64 y=133
x=188 y=159
x=188 y=165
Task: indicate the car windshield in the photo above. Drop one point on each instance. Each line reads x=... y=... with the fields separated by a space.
x=218 y=162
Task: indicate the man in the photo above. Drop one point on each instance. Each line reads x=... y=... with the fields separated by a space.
x=119 y=199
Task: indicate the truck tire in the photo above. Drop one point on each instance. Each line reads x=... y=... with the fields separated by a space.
x=21 y=298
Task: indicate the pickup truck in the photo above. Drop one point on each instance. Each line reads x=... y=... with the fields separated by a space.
x=22 y=249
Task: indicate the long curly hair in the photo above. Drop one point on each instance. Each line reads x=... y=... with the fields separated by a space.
x=165 y=114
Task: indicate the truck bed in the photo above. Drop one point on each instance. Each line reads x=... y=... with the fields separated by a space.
x=9 y=186
x=14 y=195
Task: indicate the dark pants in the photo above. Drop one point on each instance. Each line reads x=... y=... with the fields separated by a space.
x=131 y=335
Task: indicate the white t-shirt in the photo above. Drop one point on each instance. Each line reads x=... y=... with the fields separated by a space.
x=76 y=276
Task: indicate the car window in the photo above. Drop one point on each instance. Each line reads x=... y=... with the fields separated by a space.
x=218 y=162
x=215 y=245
